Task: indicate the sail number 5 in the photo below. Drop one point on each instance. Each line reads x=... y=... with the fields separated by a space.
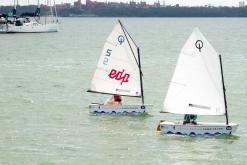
x=107 y=56
x=119 y=76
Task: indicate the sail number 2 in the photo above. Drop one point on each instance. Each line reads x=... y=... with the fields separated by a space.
x=107 y=56
x=119 y=76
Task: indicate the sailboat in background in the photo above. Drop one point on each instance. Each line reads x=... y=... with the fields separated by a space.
x=197 y=87
x=119 y=72
x=31 y=22
x=3 y=23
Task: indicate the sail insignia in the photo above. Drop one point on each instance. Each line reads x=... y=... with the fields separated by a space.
x=199 y=45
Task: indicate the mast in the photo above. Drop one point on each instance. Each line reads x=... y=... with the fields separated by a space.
x=38 y=10
x=125 y=31
x=139 y=59
x=55 y=8
x=51 y=8
x=224 y=89
x=46 y=12
x=14 y=10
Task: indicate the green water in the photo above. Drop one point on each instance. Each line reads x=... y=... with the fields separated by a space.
x=44 y=117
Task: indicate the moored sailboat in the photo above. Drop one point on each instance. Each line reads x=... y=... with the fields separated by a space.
x=30 y=22
x=3 y=23
x=119 y=73
x=197 y=87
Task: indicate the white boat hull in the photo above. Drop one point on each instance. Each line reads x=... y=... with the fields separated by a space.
x=200 y=129
x=118 y=109
x=33 y=28
x=3 y=28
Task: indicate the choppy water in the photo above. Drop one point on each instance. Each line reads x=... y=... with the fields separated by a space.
x=44 y=118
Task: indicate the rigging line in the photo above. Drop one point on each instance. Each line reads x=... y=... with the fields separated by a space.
x=130 y=45
x=36 y=20
x=129 y=36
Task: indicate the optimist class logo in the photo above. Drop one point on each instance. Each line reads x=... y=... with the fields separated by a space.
x=120 y=39
x=119 y=76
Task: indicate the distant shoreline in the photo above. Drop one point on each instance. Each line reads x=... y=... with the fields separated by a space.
x=152 y=17
x=169 y=11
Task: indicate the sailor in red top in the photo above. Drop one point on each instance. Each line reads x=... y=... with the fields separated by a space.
x=114 y=99
x=117 y=99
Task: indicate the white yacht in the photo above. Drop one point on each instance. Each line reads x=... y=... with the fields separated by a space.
x=30 y=23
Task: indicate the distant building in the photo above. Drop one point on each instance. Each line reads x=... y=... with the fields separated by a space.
x=88 y=2
x=77 y=4
x=142 y=4
x=46 y=7
x=93 y=4
x=241 y=4
x=60 y=6
x=125 y=5
x=67 y=5
x=164 y=3
x=113 y=4
x=132 y=4
x=157 y=4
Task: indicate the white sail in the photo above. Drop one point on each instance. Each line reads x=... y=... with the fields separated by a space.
x=196 y=86
x=117 y=70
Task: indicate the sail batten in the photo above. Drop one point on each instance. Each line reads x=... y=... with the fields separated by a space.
x=111 y=93
x=117 y=71
x=196 y=85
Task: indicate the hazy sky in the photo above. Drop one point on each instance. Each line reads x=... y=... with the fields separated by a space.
x=168 y=2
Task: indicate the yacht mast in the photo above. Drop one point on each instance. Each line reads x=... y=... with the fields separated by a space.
x=55 y=9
